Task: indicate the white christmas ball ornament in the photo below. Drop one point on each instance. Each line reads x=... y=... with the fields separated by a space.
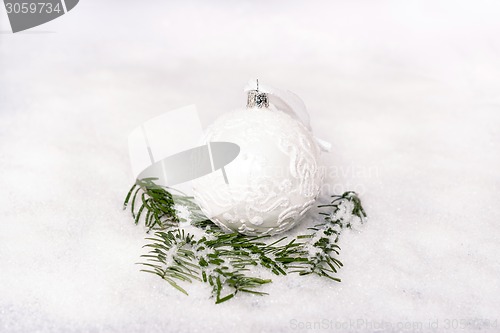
x=274 y=180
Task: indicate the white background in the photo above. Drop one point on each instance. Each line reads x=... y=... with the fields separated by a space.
x=408 y=92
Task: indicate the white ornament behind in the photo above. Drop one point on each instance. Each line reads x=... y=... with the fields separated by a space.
x=274 y=180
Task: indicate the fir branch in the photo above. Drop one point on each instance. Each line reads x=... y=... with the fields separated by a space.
x=156 y=200
x=222 y=260
x=176 y=255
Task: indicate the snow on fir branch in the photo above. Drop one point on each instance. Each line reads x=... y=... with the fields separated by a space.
x=183 y=250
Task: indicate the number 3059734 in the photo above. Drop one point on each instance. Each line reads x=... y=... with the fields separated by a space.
x=32 y=7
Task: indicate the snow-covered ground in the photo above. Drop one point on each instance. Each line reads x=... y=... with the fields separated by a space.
x=407 y=92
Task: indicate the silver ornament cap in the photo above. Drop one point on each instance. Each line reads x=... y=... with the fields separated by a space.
x=257 y=99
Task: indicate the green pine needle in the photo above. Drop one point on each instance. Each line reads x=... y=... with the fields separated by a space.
x=223 y=260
